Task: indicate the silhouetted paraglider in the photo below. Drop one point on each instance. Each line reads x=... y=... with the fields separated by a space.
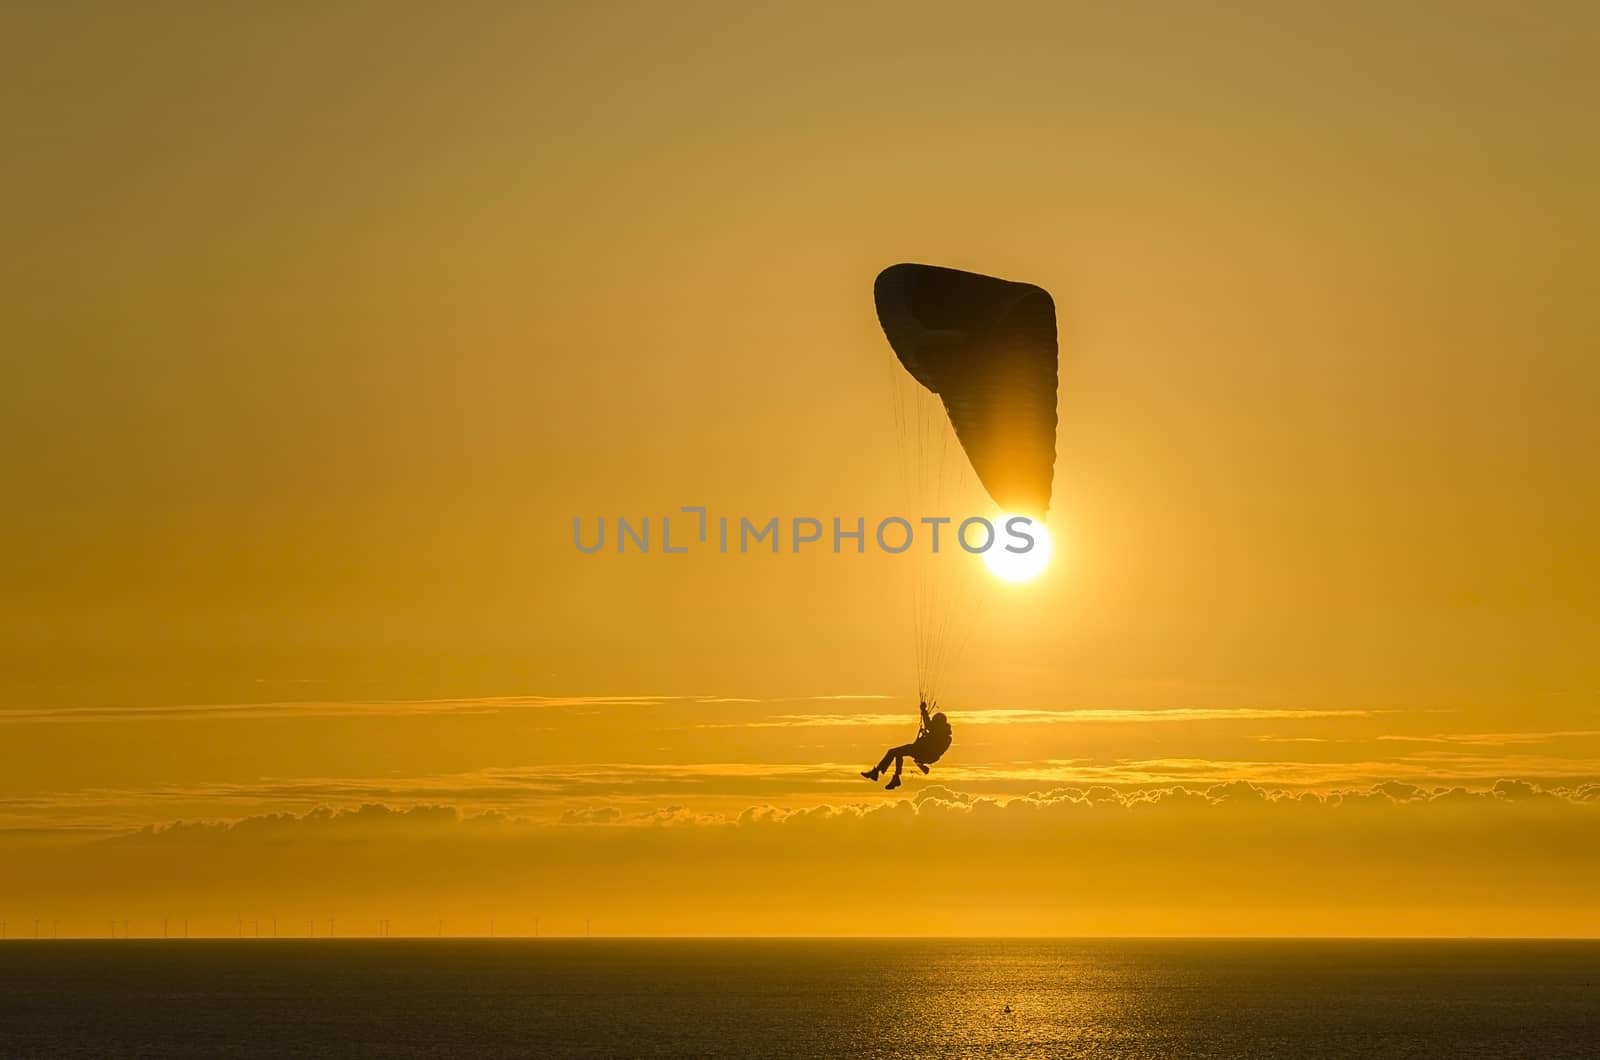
x=980 y=357
x=933 y=740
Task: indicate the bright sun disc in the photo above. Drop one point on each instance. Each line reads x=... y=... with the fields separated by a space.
x=1018 y=566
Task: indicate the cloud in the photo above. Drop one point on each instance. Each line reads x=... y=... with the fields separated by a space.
x=1515 y=856
x=591 y=815
x=1043 y=717
x=376 y=708
x=1399 y=792
x=430 y=816
x=548 y=791
x=1496 y=739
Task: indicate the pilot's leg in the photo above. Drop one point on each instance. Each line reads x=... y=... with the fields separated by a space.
x=894 y=754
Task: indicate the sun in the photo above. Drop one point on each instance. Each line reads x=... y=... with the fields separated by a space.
x=1019 y=566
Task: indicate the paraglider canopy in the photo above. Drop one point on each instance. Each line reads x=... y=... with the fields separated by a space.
x=987 y=348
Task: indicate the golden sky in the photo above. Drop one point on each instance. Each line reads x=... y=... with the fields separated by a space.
x=321 y=326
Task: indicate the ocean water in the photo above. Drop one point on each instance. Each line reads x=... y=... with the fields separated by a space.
x=397 y=998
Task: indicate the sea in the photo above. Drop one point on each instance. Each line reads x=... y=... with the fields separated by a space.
x=880 y=998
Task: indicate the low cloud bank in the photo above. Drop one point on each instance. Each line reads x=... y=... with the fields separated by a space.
x=1512 y=857
x=937 y=802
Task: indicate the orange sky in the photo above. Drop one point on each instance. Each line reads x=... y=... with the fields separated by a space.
x=320 y=329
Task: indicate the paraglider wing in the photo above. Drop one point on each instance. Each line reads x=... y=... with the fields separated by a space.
x=987 y=348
